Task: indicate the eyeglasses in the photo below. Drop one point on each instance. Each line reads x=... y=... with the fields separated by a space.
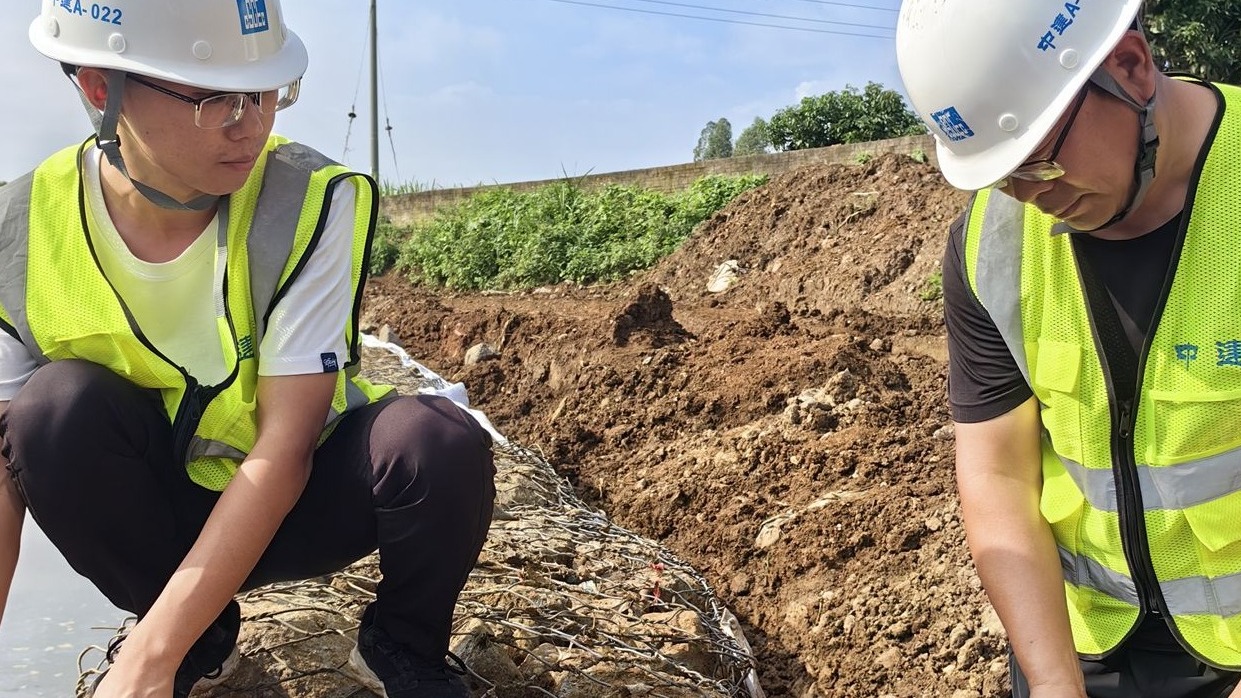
x=221 y=109
x=1047 y=169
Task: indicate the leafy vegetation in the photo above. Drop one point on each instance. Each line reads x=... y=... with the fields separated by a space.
x=754 y=139
x=1196 y=36
x=932 y=286
x=503 y=239
x=389 y=188
x=847 y=116
x=715 y=141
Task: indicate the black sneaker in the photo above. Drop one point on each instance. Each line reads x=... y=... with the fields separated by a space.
x=387 y=669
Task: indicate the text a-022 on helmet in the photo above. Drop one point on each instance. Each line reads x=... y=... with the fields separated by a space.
x=102 y=13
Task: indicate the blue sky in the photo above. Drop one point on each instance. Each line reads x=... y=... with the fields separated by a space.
x=483 y=91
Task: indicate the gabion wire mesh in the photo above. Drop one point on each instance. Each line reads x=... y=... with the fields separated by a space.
x=562 y=603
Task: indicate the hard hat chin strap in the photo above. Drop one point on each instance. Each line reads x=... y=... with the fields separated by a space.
x=1148 y=145
x=106 y=138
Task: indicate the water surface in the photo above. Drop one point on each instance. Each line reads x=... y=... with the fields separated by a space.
x=52 y=614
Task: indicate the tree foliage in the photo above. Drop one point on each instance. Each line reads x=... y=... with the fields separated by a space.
x=1196 y=36
x=754 y=139
x=846 y=116
x=715 y=141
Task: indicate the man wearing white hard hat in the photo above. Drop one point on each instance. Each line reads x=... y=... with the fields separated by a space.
x=1092 y=296
x=180 y=405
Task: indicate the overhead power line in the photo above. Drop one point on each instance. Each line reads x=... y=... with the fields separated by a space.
x=764 y=14
x=722 y=20
x=850 y=4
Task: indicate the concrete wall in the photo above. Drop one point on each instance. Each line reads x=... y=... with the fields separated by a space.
x=409 y=208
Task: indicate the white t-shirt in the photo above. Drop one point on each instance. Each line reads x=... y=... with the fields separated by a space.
x=173 y=302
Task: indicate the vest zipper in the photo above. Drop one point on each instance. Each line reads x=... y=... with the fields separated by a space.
x=1132 y=517
x=189 y=414
x=1123 y=368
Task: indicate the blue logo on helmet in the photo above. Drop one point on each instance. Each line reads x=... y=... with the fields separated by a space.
x=950 y=122
x=253 y=16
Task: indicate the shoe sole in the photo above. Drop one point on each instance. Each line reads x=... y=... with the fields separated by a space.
x=360 y=672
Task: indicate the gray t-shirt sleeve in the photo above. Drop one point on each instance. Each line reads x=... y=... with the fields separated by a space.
x=984 y=381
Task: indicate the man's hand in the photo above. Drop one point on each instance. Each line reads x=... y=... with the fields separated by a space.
x=129 y=680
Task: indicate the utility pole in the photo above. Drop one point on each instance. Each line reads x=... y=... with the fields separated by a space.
x=374 y=91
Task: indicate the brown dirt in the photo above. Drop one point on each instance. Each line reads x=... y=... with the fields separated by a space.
x=805 y=404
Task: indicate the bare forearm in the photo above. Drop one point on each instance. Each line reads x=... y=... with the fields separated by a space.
x=239 y=529
x=1019 y=566
x=243 y=522
x=1000 y=479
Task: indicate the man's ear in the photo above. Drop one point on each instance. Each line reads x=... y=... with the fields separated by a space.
x=1133 y=67
x=93 y=82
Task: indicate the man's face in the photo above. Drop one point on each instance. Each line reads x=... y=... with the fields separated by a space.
x=163 y=147
x=1097 y=155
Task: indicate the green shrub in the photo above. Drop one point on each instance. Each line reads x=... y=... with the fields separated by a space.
x=503 y=239
x=385 y=246
x=933 y=287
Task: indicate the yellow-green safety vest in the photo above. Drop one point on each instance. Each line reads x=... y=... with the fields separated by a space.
x=1144 y=499
x=56 y=300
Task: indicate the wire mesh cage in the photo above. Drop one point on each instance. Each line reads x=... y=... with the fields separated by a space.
x=562 y=603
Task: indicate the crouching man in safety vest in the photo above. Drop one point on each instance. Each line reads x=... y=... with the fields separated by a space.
x=1092 y=295
x=182 y=410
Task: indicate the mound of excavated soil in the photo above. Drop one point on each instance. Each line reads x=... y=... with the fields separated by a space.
x=787 y=437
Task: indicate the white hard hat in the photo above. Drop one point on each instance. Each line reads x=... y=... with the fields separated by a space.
x=990 y=79
x=226 y=45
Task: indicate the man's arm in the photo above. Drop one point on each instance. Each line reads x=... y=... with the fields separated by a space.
x=292 y=411
x=999 y=477
x=12 y=513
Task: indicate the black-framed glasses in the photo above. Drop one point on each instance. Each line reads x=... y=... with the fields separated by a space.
x=1047 y=169
x=221 y=109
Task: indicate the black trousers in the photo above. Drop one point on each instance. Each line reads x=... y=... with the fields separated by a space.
x=1150 y=664
x=412 y=476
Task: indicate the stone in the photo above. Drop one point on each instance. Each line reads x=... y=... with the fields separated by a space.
x=479 y=353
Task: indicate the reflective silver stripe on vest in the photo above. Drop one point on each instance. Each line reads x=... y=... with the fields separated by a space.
x=1081 y=571
x=14 y=252
x=273 y=230
x=1173 y=487
x=206 y=448
x=1191 y=596
x=1220 y=596
x=999 y=280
